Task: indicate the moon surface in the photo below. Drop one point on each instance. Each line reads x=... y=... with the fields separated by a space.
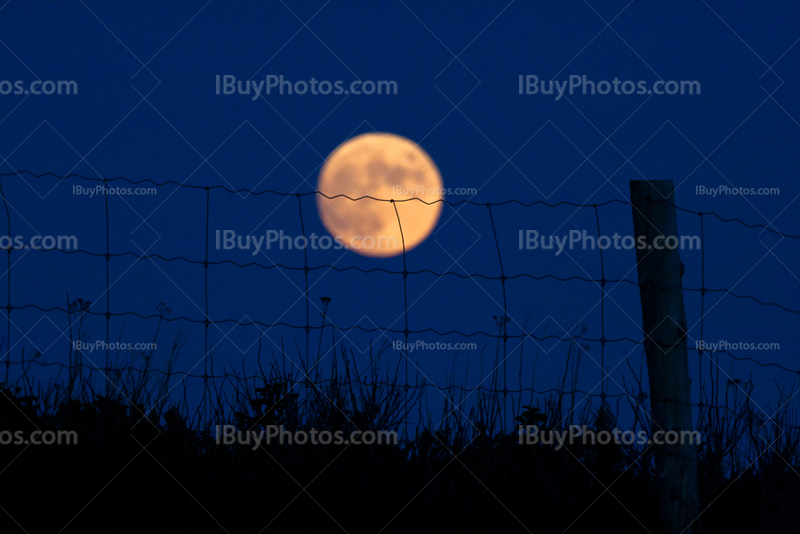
x=383 y=166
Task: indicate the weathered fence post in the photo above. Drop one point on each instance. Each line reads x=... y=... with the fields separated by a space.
x=664 y=326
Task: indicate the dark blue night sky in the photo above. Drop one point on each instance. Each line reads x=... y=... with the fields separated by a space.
x=147 y=109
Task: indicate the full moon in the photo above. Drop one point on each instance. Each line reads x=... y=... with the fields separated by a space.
x=384 y=166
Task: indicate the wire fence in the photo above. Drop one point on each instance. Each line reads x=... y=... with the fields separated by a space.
x=207 y=376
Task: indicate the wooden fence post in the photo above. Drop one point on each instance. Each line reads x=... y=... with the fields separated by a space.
x=664 y=328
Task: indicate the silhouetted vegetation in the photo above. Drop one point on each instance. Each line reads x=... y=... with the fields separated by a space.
x=145 y=457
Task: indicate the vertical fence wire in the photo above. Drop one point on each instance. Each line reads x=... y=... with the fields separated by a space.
x=206 y=322
x=305 y=270
x=602 y=333
x=602 y=308
x=108 y=291
x=702 y=305
x=504 y=325
x=405 y=313
x=505 y=343
x=8 y=292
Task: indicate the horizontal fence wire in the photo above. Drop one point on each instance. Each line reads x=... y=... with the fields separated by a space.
x=328 y=266
x=442 y=201
x=691 y=350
